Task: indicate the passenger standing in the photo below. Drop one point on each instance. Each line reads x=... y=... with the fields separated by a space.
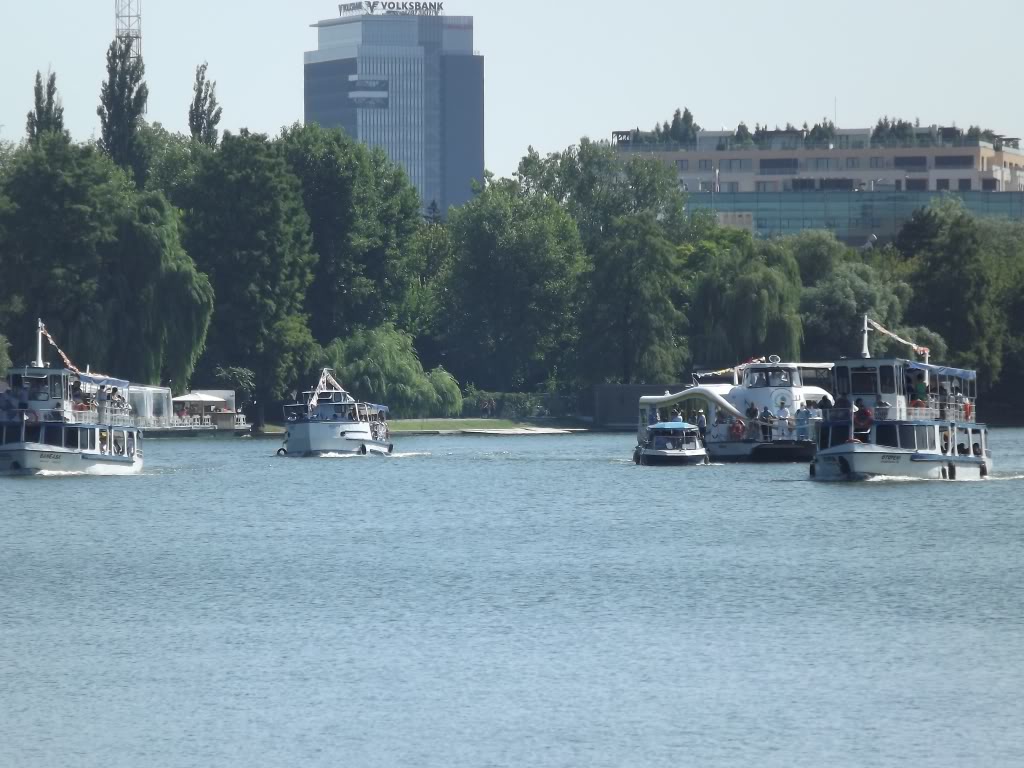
x=702 y=424
x=767 y=420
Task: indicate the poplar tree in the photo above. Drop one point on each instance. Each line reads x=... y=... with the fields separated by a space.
x=123 y=97
x=47 y=114
x=204 y=112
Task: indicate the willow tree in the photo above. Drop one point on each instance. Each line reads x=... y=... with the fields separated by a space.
x=745 y=301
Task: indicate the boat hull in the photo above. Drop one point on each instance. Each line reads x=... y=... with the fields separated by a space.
x=864 y=462
x=34 y=459
x=653 y=457
x=757 y=451
x=333 y=437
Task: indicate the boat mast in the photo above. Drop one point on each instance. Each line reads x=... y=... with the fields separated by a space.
x=39 y=344
x=864 y=344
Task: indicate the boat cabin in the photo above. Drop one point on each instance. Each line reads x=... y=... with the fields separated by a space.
x=334 y=405
x=673 y=436
x=44 y=394
x=904 y=404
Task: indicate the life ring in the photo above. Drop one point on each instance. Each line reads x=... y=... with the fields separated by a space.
x=863 y=419
x=282 y=451
x=918 y=404
x=737 y=430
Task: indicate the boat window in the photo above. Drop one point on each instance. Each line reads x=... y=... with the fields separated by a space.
x=38 y=388
x=780 y=377
x=888 y=376
x=757 y=379
x=71 y=437
x=53 y=435
x=32 y=433
x=925 y=438
x=977 y=443
x=89 y=439
x=131 y=443
x=104 y=441
x=823 y=436
x=842 y=380
x=907 y=437
x=864 y=380
x=119 y=442
x=885 y=434
x=56 y=387
x=944 y=439
x=10 y=434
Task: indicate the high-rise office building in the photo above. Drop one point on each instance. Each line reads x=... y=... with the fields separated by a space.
x=404 y=77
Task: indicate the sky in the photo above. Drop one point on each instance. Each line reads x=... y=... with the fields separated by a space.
x=556 y=71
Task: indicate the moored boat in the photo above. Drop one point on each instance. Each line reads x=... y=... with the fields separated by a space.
x=329 y=420
x=895 y=417
x=56 y=420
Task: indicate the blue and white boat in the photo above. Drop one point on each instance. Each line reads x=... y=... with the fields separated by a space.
x=329 y=420
x=63 y=420
x=895 y=417
x=670 y=442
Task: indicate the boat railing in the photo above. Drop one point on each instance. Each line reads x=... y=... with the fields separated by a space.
x=934 y=411
x=240 y=422
x=766 y=430
x=113 y=416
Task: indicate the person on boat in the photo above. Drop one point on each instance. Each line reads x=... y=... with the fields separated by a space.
x=767 y=419
x=920 y=388
x=976 y=449
x=803 y=418
x=751 y=414
x=674 y=415
x=702 y=424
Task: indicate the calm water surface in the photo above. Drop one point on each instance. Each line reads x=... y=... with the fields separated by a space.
x=535 y=601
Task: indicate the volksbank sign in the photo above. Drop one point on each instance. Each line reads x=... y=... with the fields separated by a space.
x=403 y=8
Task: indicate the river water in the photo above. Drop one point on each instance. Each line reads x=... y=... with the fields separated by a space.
x=508 y=601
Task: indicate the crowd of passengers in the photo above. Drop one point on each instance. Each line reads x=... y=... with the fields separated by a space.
x=18 y=400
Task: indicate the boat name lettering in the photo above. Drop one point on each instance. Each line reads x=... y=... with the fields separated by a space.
x=888 y=458
x=49 y=456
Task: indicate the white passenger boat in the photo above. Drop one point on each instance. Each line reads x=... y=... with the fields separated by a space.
x=57 y=420
x=768 y=412
x=329 y=420
x=895 y=417
x=671 y=442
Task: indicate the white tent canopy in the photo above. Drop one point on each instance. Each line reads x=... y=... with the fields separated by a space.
x=198 y=397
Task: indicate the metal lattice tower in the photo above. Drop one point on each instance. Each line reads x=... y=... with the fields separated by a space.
x=128 y=14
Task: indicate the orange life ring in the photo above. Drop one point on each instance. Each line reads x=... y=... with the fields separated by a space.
x=918 y=404
x=737 y=430
x=863 y=419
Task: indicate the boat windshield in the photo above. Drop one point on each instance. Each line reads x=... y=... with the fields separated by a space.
x=773 y=377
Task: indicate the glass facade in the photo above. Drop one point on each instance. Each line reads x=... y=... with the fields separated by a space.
x=410 y=85
x=852 y=216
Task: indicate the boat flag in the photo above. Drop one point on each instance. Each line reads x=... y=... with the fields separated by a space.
x=67 y=363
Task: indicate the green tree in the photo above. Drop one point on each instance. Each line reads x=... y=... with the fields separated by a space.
x=363 y=216
x=5 y=353
x=204 y=111
x=47 y=115
x=123 y=97
x=247 y=229
x=513 y=287
x=742 y=137
x=173 y=161
x=380 y=364
x=632 y=330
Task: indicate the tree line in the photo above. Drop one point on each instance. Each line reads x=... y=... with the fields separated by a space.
x=249 y=261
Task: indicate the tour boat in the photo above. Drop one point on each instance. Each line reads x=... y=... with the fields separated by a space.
x=63 y=420
x=784 y=395
x=895 y=417
x=329 y=420
x=671 y=442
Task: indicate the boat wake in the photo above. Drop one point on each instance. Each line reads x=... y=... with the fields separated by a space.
x=409 y=454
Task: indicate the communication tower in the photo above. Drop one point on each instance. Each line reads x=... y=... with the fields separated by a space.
x=128 y=15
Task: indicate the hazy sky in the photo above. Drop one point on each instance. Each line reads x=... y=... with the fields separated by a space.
x=556 y=71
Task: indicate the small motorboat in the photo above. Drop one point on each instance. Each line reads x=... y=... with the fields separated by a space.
x=671 y=442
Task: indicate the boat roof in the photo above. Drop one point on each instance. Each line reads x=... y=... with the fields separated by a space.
x=916 y=365
x=672 y=425
x=86 y=378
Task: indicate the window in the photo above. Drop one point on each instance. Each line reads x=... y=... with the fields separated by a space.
x=954 y=161
x=803 y=185
x=888 y=380
x=71 y=437
x=704 y=165
x=898 y=184
x=842 y=380
x=729 y=186
x=853 y=162
x=682 y=165
x=942 y=183
x=706 y=186
x=865 y=381
x=907 y=437
x=925 y=437
x=878 y=162
x=911 y=162
x=767 y=186
x=783 y=165
x=885 y=434
x=32 y=433
x=917 y=185
x=52 y=435
x=987 y=185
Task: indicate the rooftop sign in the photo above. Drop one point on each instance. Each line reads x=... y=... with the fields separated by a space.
x=415 y=8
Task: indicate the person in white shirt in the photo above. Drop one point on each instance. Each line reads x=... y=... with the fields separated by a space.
x=783 y=424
